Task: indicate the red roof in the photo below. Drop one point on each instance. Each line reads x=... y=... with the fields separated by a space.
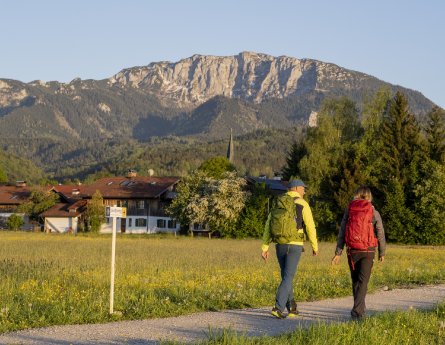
x=71 y=192
x=12 y=195
x=78 y=205
x=65 y=210
x=129 y=188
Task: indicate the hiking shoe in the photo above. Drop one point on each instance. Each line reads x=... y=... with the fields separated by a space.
x=292 y=309
x=355 y=316
x=277 y=313
x=293 y=314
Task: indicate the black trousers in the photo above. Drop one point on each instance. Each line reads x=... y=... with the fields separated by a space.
x=360 y=265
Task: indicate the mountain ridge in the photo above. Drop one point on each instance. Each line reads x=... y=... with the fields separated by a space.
x=199 y=95
x=248 y=75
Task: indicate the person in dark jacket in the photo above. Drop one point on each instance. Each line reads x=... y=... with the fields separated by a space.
x=361 y=261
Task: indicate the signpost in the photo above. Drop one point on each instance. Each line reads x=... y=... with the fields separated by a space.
x=114 y=212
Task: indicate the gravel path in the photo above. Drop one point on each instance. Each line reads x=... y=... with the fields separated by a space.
x=252 y=322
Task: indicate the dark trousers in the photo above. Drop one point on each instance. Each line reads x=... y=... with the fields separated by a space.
x=360 y=265
x=288 y=256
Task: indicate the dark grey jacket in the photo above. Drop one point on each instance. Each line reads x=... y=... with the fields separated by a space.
x=378 y=227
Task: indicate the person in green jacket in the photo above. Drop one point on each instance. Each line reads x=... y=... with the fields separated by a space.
x=288 y=254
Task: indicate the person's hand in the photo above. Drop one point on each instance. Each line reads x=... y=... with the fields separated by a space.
x=314 y=252
x=381 y=258
x=265 y=255
x=335 y=260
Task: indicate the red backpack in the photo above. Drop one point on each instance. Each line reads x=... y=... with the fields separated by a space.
x=359 y=228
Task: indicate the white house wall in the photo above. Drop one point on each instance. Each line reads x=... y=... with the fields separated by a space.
x=150 y=228
x=153 y=221
x=61 y=225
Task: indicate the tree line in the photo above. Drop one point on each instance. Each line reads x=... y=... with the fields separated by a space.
x=385 y=148
x=382 y=146
x=41 y=161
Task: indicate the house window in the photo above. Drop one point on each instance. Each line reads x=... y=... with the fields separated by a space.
x=161 y=223
x=107 y=220
x=172 y=224
x=141 y=204
x=130 y=222
x=197 y=226
x=122 y=203
x=141 y=222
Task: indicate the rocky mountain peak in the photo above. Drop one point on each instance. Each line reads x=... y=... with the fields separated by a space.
x=248 y=75
x=198 y=95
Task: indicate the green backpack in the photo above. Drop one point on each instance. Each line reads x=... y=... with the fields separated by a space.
x=283 y=220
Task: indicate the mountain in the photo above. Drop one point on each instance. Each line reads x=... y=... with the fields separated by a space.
x=170 y=116
x=200 y=95
x=13 y=167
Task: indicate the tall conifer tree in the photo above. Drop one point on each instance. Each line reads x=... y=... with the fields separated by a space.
x=296 y=153
x=402 y=154
x=401 y=142
x=436 y=134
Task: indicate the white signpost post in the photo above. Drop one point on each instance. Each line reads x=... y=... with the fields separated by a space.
x=114 y=212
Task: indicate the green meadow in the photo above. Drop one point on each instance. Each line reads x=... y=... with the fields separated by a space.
x=49 y=279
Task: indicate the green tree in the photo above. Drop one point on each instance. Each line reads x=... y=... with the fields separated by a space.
x=337 y=128
x=47 y=182
x=225 y=202
x=216 y=167
x=216 y=203
x=254 y=215
x=190 y=190
x=373 y=110
x=14 y=222
x=370 y=145
x=436 y=134
x=3 y=177
x=330 y=149
x=295 y=155
x=96 y=176
x=401 y=148
x=95 y=214
x=430 y=206
x=402 y=155
x=338 y=188
x=350 y=175
x=40 y=200
x=399 y=220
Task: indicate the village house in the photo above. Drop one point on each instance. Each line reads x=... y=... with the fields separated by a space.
x=11 y=197
x=145 y=198
x=67 y=215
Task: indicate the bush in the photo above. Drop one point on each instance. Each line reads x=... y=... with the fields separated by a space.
x=14 y=222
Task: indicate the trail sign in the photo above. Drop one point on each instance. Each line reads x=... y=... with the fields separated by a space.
x=116 y=212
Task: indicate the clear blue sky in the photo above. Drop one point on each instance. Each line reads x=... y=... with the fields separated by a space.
x=401 y=42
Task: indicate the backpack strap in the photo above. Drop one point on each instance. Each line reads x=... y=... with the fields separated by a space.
x=298 y=214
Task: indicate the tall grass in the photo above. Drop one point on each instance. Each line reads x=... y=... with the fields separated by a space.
x=61 y=279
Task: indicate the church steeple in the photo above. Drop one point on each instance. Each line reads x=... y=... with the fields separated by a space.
x=230 y=149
